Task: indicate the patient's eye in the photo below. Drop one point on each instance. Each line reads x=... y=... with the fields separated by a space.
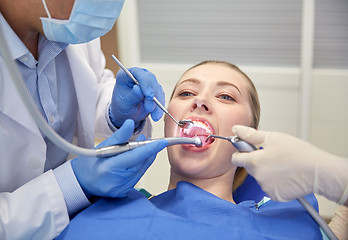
x=185 y=93
x=226 y=97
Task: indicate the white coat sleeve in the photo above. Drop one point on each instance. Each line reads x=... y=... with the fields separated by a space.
x=42 y=215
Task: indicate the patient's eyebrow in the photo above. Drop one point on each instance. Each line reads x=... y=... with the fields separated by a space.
x=220 y=83
x=223 y=83
x=192 y=80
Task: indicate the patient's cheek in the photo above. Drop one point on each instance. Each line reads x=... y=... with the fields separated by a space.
x=170 y=129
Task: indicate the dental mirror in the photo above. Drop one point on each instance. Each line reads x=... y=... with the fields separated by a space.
x=185 y=124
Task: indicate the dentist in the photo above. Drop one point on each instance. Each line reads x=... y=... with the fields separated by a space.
x=57 y=50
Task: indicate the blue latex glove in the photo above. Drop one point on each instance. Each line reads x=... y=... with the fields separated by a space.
x=131 y=101
x=116 y=176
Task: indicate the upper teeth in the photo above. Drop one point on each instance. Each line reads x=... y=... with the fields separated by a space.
x=199 y=125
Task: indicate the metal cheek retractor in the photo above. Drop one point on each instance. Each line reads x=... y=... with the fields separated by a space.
x=240 y=145
x=182 y=123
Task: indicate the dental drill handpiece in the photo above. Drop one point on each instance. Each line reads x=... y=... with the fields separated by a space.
x=117 y=149
x=240 y=145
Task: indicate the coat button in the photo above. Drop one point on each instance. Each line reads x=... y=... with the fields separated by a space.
x=34 y=163
x=51 y=118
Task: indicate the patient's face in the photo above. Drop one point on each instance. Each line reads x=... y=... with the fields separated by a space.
x=215 y=98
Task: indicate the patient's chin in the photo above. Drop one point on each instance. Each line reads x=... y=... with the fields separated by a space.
x=190 y=168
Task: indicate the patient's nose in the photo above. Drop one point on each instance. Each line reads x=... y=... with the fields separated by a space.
x=200 y=104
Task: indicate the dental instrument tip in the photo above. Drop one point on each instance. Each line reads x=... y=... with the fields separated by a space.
x=198 y=142
x=210 y=136
x=239 y=144
x=214 y=136
x=185 y=124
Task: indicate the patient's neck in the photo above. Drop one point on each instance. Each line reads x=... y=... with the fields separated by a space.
x=220 y=186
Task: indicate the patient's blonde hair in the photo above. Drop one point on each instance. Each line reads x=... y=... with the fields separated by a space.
x=254 y=103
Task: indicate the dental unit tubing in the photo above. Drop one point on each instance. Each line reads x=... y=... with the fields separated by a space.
x=117 y=149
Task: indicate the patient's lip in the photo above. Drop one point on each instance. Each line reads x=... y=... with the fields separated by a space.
x=201 y=128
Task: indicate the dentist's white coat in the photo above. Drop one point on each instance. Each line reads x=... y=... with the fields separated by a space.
x=31 y=203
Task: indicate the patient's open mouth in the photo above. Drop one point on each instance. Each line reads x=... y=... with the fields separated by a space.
x=201 y=129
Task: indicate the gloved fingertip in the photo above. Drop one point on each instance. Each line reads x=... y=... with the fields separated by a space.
x=141 y=137
x=121 y=135
x=164 y=143
x=149 y=105
x=161 y=95
x=137 y=91
x=157 y=114
x=249 y=134
x=240 y=129
x=160 y=145
x=149 y=93
x=235 y=129
x=119 y=194
x=236 y=160
x=128 y=123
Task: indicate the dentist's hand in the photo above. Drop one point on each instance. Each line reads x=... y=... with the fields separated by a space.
x=130 y=101
x=115 y=176
x=288 y=168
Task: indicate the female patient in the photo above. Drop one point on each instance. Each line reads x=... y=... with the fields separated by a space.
x=200 y=202
x=215 y=96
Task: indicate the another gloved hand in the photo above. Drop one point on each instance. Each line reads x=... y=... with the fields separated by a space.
x=131 y=101
x=116 y=176
x=339 y=222
x=288 y=168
